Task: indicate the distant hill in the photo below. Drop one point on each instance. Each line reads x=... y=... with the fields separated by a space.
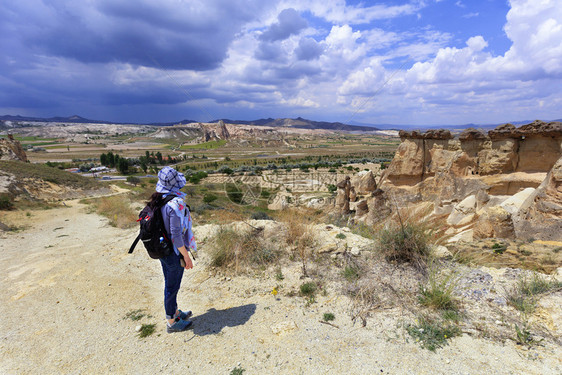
x=182 y=122
x=74 y=119
x=301 y=123
x=298 y=122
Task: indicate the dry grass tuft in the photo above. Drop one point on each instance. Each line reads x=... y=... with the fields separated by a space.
x=298 y=235
x=117 y=209
x=241 y=251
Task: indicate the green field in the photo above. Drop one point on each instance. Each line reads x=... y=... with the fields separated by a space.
x=205 y=145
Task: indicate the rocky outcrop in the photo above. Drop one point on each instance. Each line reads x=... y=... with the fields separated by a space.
x=492 y=185
x=364 y=182
x=213 y=132
x=540 y=215
x=532 y=148
x=10 y=149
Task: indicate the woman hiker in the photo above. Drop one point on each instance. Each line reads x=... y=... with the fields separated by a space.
x=177 y=222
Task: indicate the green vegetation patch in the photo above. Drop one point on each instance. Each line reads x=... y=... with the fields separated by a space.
x=205 y=145
x=23 y=170
x=147 y=330
x=432 y=334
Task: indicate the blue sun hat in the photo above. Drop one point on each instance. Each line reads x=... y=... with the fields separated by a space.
x=170 y=181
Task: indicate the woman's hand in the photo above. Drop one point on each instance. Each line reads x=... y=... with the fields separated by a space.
x=188 y=263
x=186 y=258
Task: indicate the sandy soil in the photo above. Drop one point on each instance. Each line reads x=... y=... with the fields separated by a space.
x=68 y=282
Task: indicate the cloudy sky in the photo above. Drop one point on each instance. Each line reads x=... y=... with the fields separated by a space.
x=395 y=61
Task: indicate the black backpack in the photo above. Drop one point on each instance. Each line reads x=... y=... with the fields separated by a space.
x=152 y=231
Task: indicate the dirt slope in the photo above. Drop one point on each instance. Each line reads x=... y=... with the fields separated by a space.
x=67 y=284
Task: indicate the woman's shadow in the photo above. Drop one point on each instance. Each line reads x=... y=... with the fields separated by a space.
x=213 y=321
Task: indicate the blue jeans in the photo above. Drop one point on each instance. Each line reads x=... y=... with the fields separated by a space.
x=173 y=272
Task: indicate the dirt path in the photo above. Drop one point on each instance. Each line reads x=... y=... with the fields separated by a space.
x=67 y=284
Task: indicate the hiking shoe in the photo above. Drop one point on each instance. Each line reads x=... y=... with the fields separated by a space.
x=179 y=326
x=183 y=315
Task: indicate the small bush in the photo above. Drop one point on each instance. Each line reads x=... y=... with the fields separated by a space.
x=133 y=180
x=432 y=334
x=135 y=315
x=279 y=275
x=328 y=317
x=234 y=193
x=237 y=371
x=209 y=198
x=147 y=330
x=6 y=202
x=350 y=273
x=499 y=248
x=438 y=293
x=241 y=250
x=260 y=215
x=523 y=296
x=340 y=236
x=406 y=244
x=308 y=289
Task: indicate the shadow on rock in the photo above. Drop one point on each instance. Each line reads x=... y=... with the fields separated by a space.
x=213 y=321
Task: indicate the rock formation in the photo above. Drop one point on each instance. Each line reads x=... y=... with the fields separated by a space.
x=541 y=212
x=506 y=183
x=10 y=149
x=532 y=148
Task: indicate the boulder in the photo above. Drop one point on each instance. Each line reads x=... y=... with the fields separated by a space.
x=364 y=182
x=463 y=212
x=503 y=131
x=440 y=251
x=540 y=216
x=443 y=134
x=494 y=222
x=514 y=203
x=280 y=201
x=472 y=134
x=362 y=208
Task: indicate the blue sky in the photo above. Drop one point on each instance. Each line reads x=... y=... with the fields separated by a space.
x=398 y=62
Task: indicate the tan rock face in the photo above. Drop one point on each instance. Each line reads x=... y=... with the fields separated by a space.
x=502 y=157
x=538 y=153
x=495 y=222
x=407 y=166
x=432 y=167
x=364 y=183
x=531 y=148
x=540 y=216
x=10 y=149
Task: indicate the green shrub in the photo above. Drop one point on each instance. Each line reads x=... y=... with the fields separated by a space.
x=135 y=315
x=340 y=236
x=327 y=317
x=6 y=202
x=499 y=248
x=350 y=273
x=147 y=330
x=406 y=244
x=524 y=295
x=234 y=193
x=432 y=334
x=438 y=293
x=308 y=289
x=260 y=215
x=133 y=180
x=209 y=198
